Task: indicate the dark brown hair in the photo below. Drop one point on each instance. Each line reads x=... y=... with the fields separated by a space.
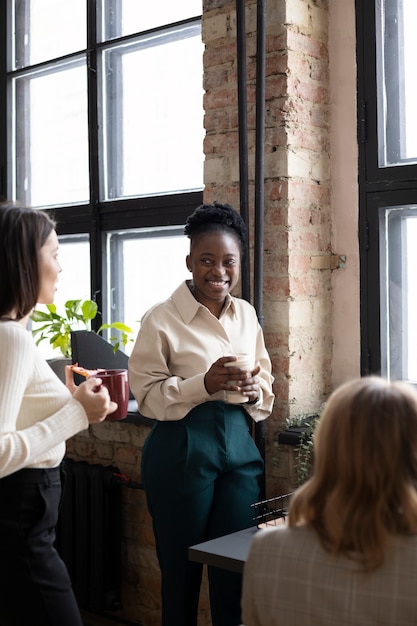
x=23 y=232
x=363 y=489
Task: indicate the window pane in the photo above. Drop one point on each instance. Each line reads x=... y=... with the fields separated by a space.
x=154 y=115
x=144 y=267
x=124 y=17
x=74 y=280
x=74 y=258
x=397 y=90
x=47 y=29
x=399 y=292
x=51 y=149
x=411 y=290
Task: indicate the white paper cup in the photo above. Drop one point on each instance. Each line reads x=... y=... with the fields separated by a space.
x=244 y=363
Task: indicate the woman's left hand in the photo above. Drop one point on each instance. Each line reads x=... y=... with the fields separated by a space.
x=218 y=378
x=250 y=386
x=69 y=379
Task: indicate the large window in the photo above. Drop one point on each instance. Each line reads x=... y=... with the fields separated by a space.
x=387 y=100
x=102 y=123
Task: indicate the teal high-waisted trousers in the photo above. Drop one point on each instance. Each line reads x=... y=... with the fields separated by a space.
x=201 y=475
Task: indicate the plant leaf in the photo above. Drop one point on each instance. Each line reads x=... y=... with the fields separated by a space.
x=117 y=326
x=89 y=309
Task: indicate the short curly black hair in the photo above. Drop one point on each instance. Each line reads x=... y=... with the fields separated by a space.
x=216 y=217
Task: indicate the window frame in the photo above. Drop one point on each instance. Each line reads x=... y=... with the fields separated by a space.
x=379 y=188
x=95 y=217
x=372 y=176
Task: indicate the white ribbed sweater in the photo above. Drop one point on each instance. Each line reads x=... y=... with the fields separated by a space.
x=37 y=412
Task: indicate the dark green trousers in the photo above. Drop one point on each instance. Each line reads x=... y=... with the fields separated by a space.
x=200 y=475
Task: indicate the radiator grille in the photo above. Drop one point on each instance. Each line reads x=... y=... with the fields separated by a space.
x=89 y=533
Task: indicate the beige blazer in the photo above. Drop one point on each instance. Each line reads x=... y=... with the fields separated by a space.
x=290 y=580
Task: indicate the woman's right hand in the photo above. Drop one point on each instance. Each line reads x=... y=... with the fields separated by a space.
x=217 y=377
x=94 y=399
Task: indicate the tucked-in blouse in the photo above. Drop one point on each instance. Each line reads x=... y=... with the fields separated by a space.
x=179 y=340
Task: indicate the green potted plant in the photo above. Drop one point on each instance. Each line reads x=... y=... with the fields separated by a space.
x=57 y=327
x=300 y=432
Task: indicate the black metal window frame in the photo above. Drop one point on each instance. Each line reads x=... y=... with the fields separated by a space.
x=379 y=187
x=96 y=217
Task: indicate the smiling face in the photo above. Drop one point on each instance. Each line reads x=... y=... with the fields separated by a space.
x=49 y=269
x=214 y=261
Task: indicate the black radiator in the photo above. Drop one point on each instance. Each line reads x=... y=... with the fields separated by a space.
x=89 y=533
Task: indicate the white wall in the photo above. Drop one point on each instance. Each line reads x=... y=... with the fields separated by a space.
x=344 y=185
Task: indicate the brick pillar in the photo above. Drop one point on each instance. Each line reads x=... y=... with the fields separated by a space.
x=297 y=297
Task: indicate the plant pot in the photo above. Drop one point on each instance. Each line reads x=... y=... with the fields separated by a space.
x=58 y=366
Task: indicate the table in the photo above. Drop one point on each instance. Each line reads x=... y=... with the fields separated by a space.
x=227 y=552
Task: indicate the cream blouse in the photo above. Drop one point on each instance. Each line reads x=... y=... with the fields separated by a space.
x=37 y=411
x=179 y=340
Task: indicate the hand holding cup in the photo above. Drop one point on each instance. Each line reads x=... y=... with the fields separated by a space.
x=242 y=362
x=104 y=395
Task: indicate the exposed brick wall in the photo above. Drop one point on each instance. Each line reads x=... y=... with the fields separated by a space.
x=297 y=299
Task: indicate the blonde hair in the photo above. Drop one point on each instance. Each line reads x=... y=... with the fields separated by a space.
x=364 y=483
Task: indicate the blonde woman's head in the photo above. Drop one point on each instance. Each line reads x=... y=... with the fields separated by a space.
x=364 y=483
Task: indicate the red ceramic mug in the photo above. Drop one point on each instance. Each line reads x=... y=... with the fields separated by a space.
x=117 y=383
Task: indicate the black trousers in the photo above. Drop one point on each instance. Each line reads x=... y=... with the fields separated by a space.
x=35 y=588
x=201 y=475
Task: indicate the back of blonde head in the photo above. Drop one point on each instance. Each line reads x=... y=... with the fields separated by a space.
x=364 y=483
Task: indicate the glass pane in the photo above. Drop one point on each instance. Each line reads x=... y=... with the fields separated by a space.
x=399 y=292
x=51 y=150
x=154 y=115
x=133 y=287
x=125 y=17
x=74 y=280
x=411 y=291
x=47 y=29
x=397 y=89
